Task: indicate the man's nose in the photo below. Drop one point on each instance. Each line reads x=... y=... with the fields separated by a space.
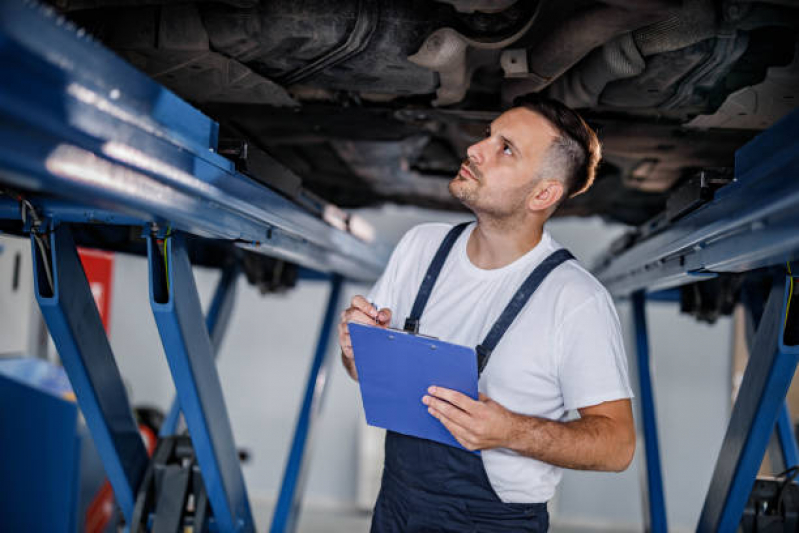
x=476 y=152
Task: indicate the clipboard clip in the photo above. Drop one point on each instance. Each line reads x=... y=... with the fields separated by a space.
x=412 y=328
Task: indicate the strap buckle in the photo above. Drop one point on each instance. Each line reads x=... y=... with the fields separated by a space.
x=412 y=325
x=483 y=354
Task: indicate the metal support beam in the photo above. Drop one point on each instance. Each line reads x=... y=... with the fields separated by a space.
x=216 y=320
x=786 y=435
x=100 y=133
x=766 y=380
x=71 y=315
x=782 y=447
x=288 y=504
x=176 y=306
x=655 y=515
x=751 y=223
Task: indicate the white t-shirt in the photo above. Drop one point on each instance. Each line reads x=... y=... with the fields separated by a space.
x=564 y=350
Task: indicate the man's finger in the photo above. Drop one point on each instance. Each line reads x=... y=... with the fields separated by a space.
x=460 y=433
x=363 y=305
x=448 y=410
x=356 y=315
x=457 y=399
x=384 y=316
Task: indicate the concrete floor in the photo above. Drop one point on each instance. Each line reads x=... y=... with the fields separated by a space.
x=315 y=520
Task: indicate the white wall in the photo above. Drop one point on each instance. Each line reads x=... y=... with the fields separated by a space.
x=20 y=322
x=267 y=352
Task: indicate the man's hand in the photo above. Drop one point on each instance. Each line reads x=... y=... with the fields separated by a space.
x=476 y=424
x=603 y=438
x=361 y=311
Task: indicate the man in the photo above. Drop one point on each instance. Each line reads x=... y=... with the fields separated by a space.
x=558 y=350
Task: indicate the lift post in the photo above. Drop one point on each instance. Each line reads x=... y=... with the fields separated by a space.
x=74 y=323
x=768 y=375
x=178 y=315
x=654 y=499
x=287 y=510
x=786 y=435
x=216 y=320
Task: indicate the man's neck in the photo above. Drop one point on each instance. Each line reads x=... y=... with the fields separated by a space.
x=495 y=245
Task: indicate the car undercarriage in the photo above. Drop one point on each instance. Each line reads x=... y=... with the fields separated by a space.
x=369 y=102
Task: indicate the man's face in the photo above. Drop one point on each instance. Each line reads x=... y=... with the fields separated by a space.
x=501 y=170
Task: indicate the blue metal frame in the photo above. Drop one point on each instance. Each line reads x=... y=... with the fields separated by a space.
x=655 y=498
x=766 y=381
x=216 y=321
x=786 y=436
x=178 y=315
x=751 y=223
x=782 y=447
x=71 y=315
x=288 y=504
x=99 y=132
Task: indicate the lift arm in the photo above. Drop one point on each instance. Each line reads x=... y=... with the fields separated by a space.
x=79 y=123
x=751 y=223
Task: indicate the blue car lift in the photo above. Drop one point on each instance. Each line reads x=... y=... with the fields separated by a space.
x=87 y=139
x=751 y=223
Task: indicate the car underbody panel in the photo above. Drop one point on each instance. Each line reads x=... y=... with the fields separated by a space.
x=370 y=101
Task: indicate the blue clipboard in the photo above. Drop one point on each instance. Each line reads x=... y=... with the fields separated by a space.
x=395 y=369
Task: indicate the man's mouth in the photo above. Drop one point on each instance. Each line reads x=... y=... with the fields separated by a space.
x=467 y=173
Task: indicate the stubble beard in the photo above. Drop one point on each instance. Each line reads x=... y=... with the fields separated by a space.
x=467 y=191
x=463 y=190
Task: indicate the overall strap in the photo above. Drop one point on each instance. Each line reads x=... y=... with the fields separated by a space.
x=516 y=304
x=412 y=322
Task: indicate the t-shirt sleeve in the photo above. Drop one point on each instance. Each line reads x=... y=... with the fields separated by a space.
x=593 y=365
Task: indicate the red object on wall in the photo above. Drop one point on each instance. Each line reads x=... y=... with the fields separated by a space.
x=99 y=268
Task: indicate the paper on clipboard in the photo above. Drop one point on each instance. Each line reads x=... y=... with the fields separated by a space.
x=395 y=369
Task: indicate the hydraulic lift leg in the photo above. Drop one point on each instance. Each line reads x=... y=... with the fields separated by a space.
x=71 y=315
x=655 y=513
x=768 y=375
x=216 y=321
x=786 y=435
x=288 y=504
x=176 y=306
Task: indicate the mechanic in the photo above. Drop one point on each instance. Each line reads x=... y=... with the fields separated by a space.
x=560 y=351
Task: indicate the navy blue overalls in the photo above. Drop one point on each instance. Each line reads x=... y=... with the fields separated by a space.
x=429 y=487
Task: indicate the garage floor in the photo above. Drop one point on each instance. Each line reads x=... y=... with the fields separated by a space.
x=341 y=521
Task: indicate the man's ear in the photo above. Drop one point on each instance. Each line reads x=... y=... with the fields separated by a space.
x=546 y=194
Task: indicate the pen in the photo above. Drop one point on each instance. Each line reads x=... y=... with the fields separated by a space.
x=377 y=323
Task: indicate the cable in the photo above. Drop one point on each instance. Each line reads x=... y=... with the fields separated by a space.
x=45 y=261
x=166 y=256
x=26 y=208
x=790 y=295
x=794 y=471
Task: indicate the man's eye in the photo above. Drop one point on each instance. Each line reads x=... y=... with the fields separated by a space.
x=506 y=149
x=487 y=132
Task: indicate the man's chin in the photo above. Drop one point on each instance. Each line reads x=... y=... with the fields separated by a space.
x=460 y=190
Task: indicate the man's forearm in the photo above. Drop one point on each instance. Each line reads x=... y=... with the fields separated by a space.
x=588 y=443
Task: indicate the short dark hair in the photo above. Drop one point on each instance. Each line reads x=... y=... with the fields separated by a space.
x=576 y=150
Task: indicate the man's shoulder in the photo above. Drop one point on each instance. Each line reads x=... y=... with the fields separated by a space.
x=576 y=286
